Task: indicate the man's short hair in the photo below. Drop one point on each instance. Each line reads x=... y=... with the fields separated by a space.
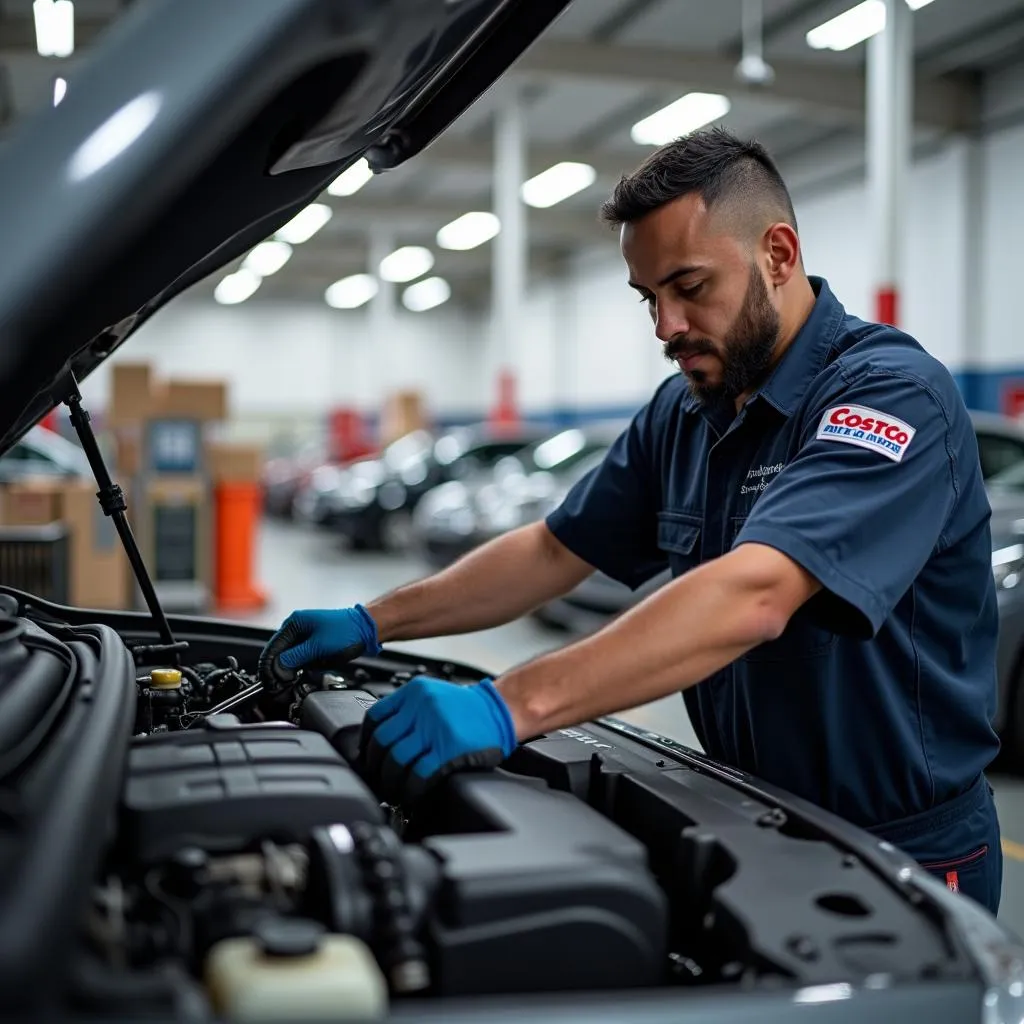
x=713 y=163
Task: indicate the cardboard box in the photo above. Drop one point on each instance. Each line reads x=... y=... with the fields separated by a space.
x=31 y=502
x=402 y=414
x=191 y=399
x=99 y=575
x=131 y=393
x=234 y=462
x=127 y=453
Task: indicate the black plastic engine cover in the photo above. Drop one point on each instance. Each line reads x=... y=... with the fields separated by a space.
x=221 y=789
x=541 y=894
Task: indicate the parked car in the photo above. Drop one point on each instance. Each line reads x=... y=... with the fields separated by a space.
x=1006 y=495
x=371 y=503
x=41 y=452
x=178 y=842
x=458 y=516
x=1000 y=442
x=285 y=474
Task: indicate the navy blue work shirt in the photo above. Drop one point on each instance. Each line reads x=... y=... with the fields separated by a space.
x=857 y=458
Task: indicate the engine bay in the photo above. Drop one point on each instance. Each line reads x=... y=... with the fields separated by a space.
x=182 y=841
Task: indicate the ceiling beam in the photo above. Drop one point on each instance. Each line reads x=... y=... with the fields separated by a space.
x=943 y=102
x=448 y=150
x=358 y=214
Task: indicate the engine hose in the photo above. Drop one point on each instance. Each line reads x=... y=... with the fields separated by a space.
x=400 y=953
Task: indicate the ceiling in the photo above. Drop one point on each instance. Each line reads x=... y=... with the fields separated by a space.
x=603 y=66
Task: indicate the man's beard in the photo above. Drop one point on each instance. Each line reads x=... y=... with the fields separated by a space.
x=746 y=353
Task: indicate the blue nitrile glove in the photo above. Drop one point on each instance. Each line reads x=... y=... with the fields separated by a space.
x=307 y=636
x=430 y=728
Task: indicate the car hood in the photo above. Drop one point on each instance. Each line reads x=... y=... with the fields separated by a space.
x=157 y=169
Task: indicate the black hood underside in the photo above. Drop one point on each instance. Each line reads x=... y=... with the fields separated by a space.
x=192 y=133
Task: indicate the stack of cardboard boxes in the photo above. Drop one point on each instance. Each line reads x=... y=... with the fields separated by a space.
x=98 y=573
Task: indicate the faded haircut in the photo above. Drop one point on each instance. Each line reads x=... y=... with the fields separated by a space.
x=717 y=165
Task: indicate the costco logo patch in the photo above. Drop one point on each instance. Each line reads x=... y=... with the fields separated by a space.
x=866 y=428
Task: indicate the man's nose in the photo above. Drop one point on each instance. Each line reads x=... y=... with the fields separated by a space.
x=669 y=323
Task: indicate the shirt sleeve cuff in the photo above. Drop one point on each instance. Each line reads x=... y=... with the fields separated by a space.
x=560 y=524
x=853 y=593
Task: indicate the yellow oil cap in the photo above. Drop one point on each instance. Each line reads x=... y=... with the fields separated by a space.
x=166 y=678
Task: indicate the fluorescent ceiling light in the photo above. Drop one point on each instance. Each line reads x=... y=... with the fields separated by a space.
x=854 y=25
x=237 y=287
x=55 y=27
x=351 y=180
x=60 y=88
x=305 y=224
x=268 y=258
x=426 y=294
x=687 y=114
x=557 y=183
x=469 y=231
x=351 y=292
x=406 y=264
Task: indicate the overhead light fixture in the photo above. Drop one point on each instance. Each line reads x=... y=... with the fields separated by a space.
x=237 y=287
x=268 y=258
x=426 y=294
x=55 y=27
x=469 y=231
x=557 y=183
x=351 y=292
x=849 y=28
x=853 y=26
x=60 y=88
x=687 y=114
x=406 y=264
x=351 y=180
x=305 y=224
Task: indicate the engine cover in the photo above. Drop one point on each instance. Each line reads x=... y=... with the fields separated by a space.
x=222 y=788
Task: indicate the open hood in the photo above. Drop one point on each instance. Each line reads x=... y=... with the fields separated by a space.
x=196 y=130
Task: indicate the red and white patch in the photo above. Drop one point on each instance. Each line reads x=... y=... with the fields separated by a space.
x=867 y=428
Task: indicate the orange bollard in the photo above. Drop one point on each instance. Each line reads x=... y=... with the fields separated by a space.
x=237 y=521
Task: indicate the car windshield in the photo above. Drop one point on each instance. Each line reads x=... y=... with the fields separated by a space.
x=560 y=452
x=1011 y=479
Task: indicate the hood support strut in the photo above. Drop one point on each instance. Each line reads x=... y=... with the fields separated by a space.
x=113 y=503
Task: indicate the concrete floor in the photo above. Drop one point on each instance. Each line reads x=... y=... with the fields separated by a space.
x=305 y=568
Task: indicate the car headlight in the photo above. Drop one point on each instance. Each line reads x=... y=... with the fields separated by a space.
x=1008 y=566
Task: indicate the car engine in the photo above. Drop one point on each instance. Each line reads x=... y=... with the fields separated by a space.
x=179 y=840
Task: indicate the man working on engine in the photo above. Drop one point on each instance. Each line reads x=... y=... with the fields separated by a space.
x=812 y=480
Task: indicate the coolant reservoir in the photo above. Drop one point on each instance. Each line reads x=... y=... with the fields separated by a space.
x=292 y=970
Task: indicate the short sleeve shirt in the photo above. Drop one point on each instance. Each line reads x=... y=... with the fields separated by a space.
x=857 y=459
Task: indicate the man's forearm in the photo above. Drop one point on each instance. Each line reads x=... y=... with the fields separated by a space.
x=492 y=585
x=680 y=635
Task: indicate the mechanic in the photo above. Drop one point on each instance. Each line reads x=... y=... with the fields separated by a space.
x=812 y=480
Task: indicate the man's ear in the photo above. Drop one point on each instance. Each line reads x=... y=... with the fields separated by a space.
x=783 y=248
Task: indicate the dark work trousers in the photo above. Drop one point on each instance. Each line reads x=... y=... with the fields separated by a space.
x=958 y=842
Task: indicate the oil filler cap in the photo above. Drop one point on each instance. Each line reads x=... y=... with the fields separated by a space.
x=288 y=937
x=165 y=679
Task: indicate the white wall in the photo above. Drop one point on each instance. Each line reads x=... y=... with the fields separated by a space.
x=300 y=360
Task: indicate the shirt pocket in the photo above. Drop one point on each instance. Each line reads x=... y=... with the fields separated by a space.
x=679 y=539
x=802 y=638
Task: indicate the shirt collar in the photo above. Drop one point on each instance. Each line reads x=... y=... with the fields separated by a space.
x=806 y=355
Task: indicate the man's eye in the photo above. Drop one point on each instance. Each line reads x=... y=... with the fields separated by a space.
x=646 y=298
x=692 y=291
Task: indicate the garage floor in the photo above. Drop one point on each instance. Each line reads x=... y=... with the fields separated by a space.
x=305 y=568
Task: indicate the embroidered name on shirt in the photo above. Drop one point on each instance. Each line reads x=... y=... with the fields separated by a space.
x=758 y=479
x=867 y=428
